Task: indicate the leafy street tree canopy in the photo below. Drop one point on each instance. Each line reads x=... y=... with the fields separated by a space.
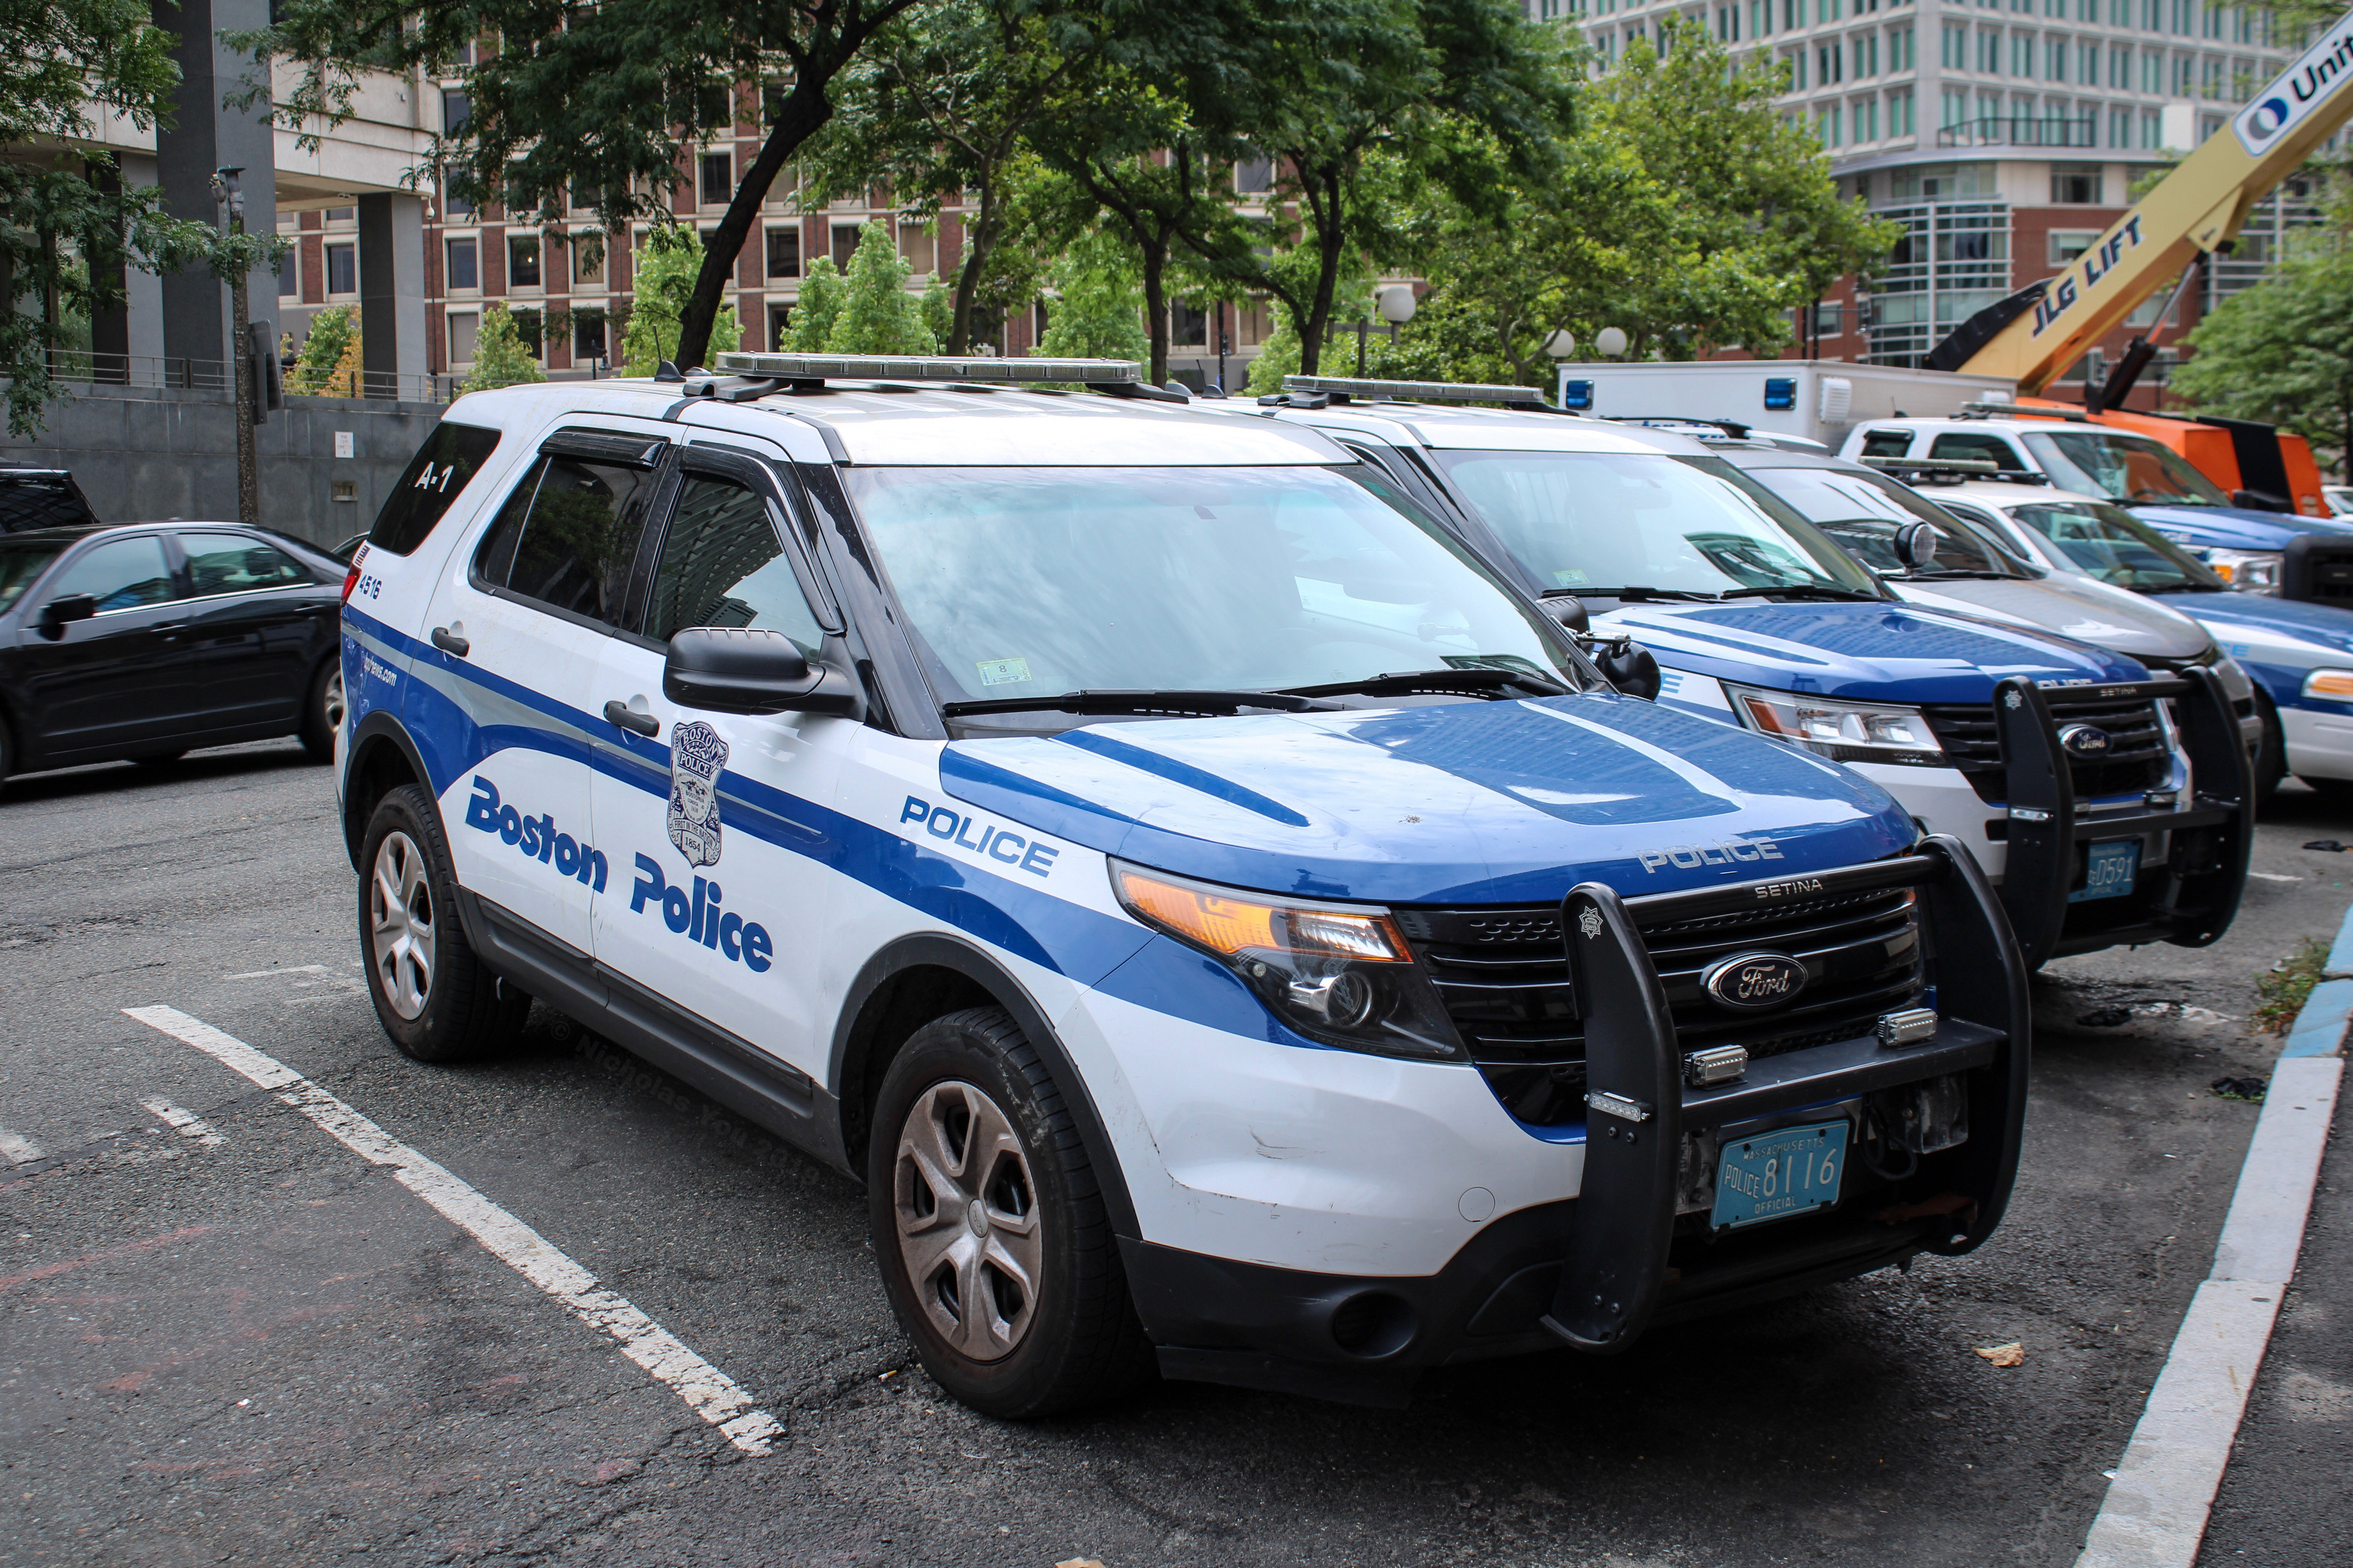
x=68 y=228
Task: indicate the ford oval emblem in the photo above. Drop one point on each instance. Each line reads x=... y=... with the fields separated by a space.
x=2084 y=741
x=1753 y=981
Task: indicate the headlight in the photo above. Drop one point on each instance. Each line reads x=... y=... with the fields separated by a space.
x=1342 y=975
x=2330 y=685
x=2249 y=571
x=1842 y=732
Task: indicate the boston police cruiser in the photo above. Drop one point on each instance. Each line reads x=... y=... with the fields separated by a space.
x=1227 y=927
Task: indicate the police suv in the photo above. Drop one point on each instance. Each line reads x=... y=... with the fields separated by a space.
x=1226 y=926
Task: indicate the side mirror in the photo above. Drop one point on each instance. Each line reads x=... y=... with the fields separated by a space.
x=59 y=612
x=1915 y=545
x=748 y=670
x=1568 y=610
x=1630 y=668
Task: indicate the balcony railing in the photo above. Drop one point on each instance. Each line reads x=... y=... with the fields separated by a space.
x=178 y=372
x=2018 y=130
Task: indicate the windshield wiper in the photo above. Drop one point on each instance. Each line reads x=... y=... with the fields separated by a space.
x=1632 y=595
x=1477 y=678
x=2183 y=588
x=1802 y=591
x=1953 y=571
x=1214 y=704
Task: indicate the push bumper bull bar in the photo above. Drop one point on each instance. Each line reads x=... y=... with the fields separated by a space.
x=1616 y=1275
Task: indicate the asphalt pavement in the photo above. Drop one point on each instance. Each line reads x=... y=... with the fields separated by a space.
x=226 y=1337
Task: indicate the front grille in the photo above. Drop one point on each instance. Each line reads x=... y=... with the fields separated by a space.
x=2136 y=759
x=1503 y=975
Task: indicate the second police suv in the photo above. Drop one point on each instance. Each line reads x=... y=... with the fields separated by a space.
x=1227 y=927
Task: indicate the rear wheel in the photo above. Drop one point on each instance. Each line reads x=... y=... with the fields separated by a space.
x=989 y=1224
x=158 y=759
x=2336 y=792
x=2271 y=756
x=322 y=711
x=432 y=996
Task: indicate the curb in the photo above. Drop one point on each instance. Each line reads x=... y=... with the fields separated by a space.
x=2155 y=1513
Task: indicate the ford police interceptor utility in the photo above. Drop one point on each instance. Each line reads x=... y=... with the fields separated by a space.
x=2084 y=787
x=1225 y=925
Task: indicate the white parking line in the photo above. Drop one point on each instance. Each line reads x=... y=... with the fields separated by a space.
x=17 y=1150
x=712 y=1394
x=187 y=1123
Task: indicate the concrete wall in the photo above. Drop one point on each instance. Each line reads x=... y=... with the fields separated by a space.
x=143 y=453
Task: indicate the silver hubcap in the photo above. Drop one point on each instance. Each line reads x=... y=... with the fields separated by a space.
x=967 y=1211
x=400 y=924
x=335 y=700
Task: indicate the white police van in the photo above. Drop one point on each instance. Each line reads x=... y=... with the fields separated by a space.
x=1227 y=927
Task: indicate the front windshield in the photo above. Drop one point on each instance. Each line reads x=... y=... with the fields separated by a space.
x=1592 y=522
x=1864 y=512
x=21 y=560
x=2116 y=466
x=1032 y=582
x=2110 y=544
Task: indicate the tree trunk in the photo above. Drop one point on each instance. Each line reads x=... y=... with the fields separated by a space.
x=1155 y=308
x=1330 y=241
x=805 y=110
x=979 y=241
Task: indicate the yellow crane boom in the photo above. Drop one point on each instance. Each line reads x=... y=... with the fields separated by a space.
x=2042 y=329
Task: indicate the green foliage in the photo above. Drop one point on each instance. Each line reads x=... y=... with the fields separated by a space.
x=939 y=308
x=878 y=315
x=333 y=332
x=500 y=356
x=2282 y=994
x=1098 y=310
x=667 y=266
x=820 y=302
x=2281 y=352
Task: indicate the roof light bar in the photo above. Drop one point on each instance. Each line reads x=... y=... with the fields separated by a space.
x=928 y=367
x=1412 y=391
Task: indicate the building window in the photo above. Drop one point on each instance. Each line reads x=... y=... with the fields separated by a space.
x=718 y=179
x=2120 y=128
x=464 y=327
x=712 y=110
x=2021 y=54
x=784 y=252
x=917 y=246
x=455 y=206
x=587 y=259
x=1953 y=54
x=343 y=270
x=522 y=261
x=456 y=108
x=1254 y=176
x=845 y=244
x=2076 y=185
x=1866 y=120
x=2066 y=244
x=1899 y=113
x=464 y=265
x=288 y=282
x=1188 y=325
x=1990 y=50
x=780 y=327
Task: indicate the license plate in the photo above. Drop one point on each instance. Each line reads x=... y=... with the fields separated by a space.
x=2110 y=872
x=1773 y=1175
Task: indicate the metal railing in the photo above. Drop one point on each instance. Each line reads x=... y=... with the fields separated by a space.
x=2018 y=130
x=173 y=372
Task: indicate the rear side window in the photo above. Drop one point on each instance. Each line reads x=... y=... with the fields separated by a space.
x=232 y=563
x=568 y=536
x=1972 y=444
x=1887 y=443
x=449 y=458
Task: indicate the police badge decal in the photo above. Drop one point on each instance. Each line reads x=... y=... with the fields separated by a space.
x=697 y=755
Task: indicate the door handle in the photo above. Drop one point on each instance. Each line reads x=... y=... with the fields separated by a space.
x=619 y=712
x=449 y=642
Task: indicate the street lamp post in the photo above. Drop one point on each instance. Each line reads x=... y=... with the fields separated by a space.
x=248 y=477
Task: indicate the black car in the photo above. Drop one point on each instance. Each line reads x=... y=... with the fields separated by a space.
x=144 y=640
x=42 y=497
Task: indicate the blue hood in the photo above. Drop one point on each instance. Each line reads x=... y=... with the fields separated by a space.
x=1459 y=803
x=2223 y=614
x=2231 y=527
x=1883 y=653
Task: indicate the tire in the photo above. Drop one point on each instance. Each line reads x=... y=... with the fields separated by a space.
x=433 y=996
x=1059 y=1330
x=2271 y=757
x=2335 y=791
x=322 y=711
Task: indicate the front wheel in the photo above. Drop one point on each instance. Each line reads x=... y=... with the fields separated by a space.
x=2271 y=757
x=433 y=996
x=989 y=1224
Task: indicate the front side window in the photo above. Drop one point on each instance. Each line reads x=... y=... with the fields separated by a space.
x=1864 y=512
x=568 y=536
x=22 y=561
x=722 y=565
x=2110 y=544
x=1592 y=522
x=1022 y=583
x=2117 y=467
x=120 y=574
x=233 y=563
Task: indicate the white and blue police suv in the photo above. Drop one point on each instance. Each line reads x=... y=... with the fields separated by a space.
x=1227 y=927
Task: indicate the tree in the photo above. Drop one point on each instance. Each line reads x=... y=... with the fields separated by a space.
x=2281 y=352
x=820 y=302
x=878 y=315
x=68 y=226
x=609 y=101
x=664 y=287
x=1099 y=310
x=500 y=356
x=333 y=331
